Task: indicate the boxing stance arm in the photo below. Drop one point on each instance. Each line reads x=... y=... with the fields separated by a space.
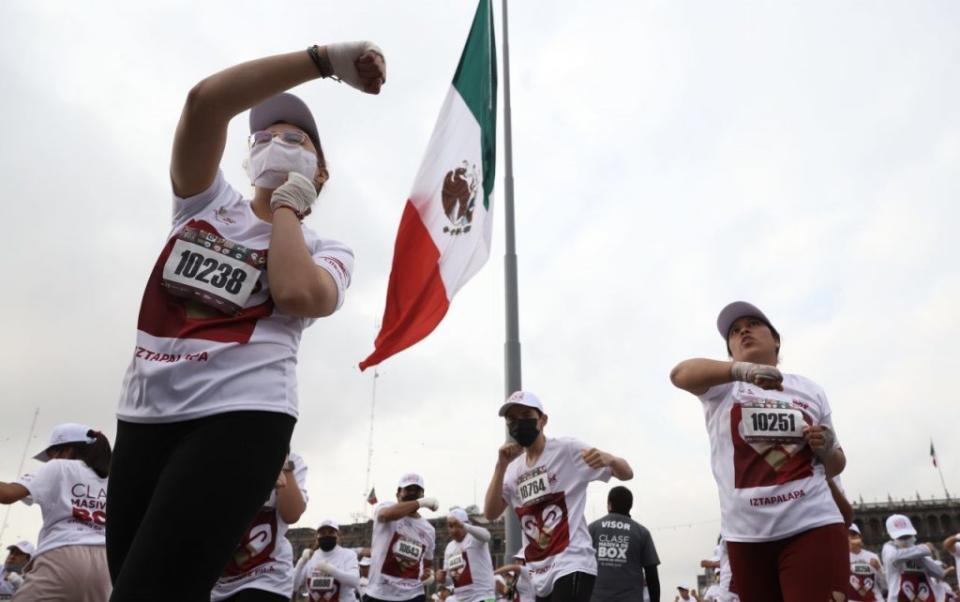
x=478 y=532
x=697 y=375
x=12 y=492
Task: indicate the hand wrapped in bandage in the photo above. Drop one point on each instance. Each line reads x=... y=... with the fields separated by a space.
x=298 y=193
x=820 y=439
x=360 y=64
x=429 y=502
x=761 y=375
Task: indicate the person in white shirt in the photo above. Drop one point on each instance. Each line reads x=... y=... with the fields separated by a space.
x=11 y=574
x=209 y=400
x=331 y=573
x=364 y=577
x=467 y=561
x=403 y=545
x=70 y=562
x=866 y=571
x=951 y=546
x=545 y=482
x=773 y=446
x=720 y=562
x=908 y=566
x=520 y=587
x=261 y=567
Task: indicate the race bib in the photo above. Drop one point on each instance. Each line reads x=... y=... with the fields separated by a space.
x=212 y=270
x=533 y=486
x=323 y=583
x=784 y=425
x=862 y=569
x=408 y=550
x=456 y=562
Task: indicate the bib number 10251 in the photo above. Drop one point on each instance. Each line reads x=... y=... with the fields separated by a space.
x=772 y=424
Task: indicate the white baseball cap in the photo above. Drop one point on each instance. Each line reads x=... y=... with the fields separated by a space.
x=411 y=478
x=68 y=432
x=23 y=546
x=329 y=522
x=684 y=586
x=736 y=310
x=522 y=398
x=899 y=525
x=854 y=528
x=519 y=554
x=459 y=514
x=365 y=561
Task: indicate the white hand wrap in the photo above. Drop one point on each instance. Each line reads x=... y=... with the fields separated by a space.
x=326 y=567
x=750 y=373
x=429 y=502
x=343 y=57
x=297 y=192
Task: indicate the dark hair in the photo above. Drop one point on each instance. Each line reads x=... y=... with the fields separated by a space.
x=96 y=455
x=620 y=500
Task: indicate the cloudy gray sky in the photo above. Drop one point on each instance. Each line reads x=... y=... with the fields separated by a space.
x=670 y=157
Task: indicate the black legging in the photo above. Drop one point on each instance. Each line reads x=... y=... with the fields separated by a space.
x=256 y=595
x=180 y=497
x=575 y=587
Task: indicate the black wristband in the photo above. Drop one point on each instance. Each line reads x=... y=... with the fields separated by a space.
x=314 y=52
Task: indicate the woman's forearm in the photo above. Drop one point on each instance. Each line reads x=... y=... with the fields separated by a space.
x=697 y=375
x=298 y=287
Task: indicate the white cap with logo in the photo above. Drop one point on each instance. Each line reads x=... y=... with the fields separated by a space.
x=522 y=398
x=68 y=432
x=23 y=546
x=899 y=525
x=329 y=522
x=411 y=478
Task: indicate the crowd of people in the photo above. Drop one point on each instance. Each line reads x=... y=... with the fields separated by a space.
x=201 y=484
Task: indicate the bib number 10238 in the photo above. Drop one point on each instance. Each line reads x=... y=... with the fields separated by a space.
x=212 y=270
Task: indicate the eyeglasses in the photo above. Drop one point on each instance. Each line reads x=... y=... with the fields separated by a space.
x=288 y=136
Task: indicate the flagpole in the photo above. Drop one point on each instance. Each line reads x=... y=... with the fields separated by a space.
x=373 y=406
x=933 y=455
x=512 y=344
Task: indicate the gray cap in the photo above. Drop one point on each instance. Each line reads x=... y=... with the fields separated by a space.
x=736 y=310
x=285 y=108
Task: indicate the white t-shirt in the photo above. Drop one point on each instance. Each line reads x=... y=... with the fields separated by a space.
x=907 y=571
x=726 y=574
x=470 y=567
x=864 y=579
x=264 y=558
x=323 y=587
x=398 y=551
x=770 y=483
x=956 y=555
x=192 y=360
x=549 y=499
x=524 y=586
x=73 y=501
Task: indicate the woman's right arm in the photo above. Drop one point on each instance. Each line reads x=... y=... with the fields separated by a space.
x=697 y=375
x=202 y=131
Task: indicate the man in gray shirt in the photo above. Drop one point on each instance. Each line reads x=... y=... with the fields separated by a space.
x=626 y=558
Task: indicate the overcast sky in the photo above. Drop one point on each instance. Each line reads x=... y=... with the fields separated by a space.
x=670 y=157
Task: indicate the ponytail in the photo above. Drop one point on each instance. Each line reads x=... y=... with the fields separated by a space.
x=97 y=454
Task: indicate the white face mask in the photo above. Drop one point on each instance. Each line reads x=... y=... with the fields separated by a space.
x=269 y=164
x=907 y=542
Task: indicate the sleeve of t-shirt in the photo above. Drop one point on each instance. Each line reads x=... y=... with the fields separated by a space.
x=337 y=260
x=184 y=208
x=380 y=508
x=716 y=393
x=956 y=549
x=300 y=474
x=43 y=485
x=431 y=548
x=574 y=448
x=594 y=529
x=826 y=417
x=648 y=552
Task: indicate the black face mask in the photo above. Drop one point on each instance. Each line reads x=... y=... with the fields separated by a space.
x=327 y=543
x=410 y=497
x=524 y=431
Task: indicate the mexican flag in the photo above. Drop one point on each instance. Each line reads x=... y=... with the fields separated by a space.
x=444 y=235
